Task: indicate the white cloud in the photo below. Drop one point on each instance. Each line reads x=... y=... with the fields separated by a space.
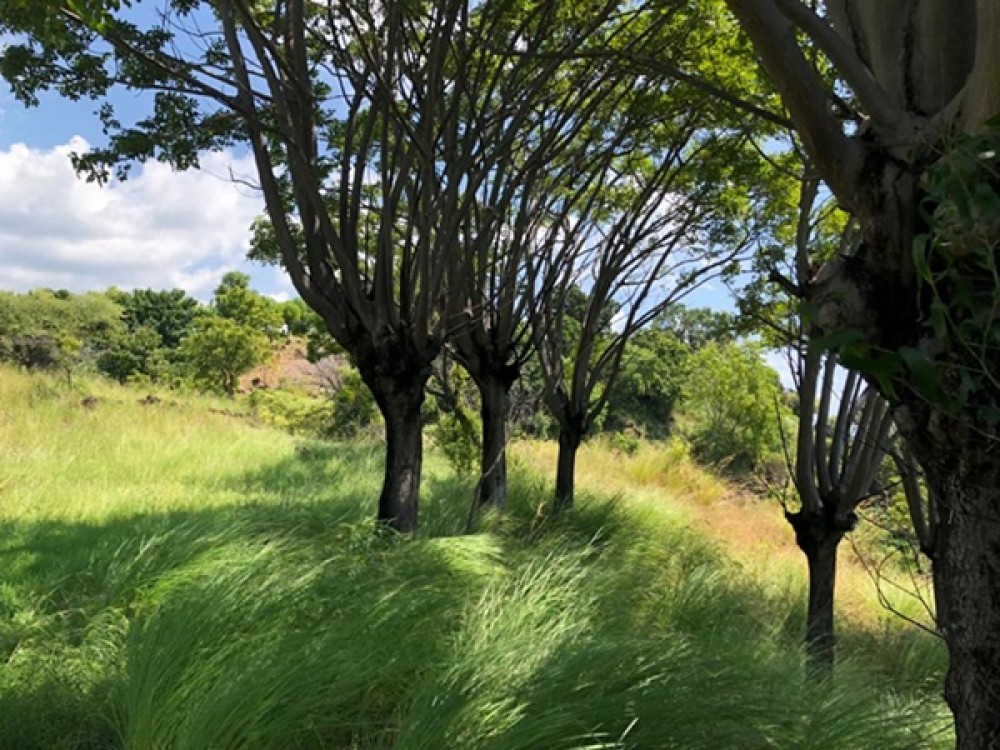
x=159 y=229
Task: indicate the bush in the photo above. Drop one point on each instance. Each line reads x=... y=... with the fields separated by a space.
x=457 y=436
x=296 y=413
x=354 y=409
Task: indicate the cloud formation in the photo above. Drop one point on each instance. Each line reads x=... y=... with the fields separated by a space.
x=159 y=229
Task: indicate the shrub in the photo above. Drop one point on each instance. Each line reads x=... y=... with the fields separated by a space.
x=299 y=414
x=457 y=435
x=354 y=409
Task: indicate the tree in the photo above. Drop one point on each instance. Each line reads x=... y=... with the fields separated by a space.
x=836 y=465
x=219 y=350
x=696 y=326
x=912 y=106
x=648 y=388
x=235 y=300
x=647 y=227
x=492 y=296
x=170 y=313
x=132 y=352
x=841 y=438
x=731 y=405
x=297 y=316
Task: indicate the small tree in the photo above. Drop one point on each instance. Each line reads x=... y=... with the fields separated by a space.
x=836 y=464
x=219 y=351
x=133 y=352
x=170 y=313
x=728 y=406
x=234 y=299
x=842 y=438
x=640 y=233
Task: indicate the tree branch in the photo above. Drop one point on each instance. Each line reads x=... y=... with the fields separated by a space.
x=804 y=93
x=872 y=96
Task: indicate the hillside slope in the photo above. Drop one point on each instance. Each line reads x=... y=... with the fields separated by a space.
x=177 y=578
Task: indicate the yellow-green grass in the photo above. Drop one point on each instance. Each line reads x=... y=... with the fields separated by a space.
x=662 y=479
x=879 y=607
x=174 y=577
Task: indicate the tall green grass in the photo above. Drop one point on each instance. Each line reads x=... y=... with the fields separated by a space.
x=217 y=585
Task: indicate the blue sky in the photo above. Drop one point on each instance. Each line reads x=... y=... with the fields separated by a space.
x=158 y=229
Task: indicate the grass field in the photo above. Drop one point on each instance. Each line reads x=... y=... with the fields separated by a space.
x=175 y=577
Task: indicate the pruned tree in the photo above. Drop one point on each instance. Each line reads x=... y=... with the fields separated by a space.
x=904 y=135
x=643 y=229
x=837 y=458
x=844 y=427
x=491 y=296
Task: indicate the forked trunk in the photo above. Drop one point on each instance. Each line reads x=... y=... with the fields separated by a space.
x=967 y=591
x=818 y=535
x=569 y=442
x=493 y=395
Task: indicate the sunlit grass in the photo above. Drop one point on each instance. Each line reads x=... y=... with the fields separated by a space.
x=175 y=577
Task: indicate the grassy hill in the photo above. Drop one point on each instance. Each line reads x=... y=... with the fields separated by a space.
x=175 y=577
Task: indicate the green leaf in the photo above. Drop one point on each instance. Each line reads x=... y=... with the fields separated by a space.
x=939 y=320
x=920 y=252
x=838 y=340
x=924 y=375
x=882 y=368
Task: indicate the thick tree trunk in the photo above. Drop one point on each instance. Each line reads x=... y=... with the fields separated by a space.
x=920 y=64
x=400 y=398
x=493 y=394
x=569 y=442
x=400 y=497
x=818 y=535
x=967 y=589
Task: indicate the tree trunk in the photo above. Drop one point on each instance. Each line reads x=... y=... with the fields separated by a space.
x=400 y=399
x=967 y=590
x=398 y=503
x=818 y=535
x=569 y=441
x=493 y=394
x=820 y=636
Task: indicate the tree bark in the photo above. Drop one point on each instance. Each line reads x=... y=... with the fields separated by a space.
x=818 y=535
x=967 y=589
x=398 y=503
x=400 y=397
x=569 y=442
x=493 y=394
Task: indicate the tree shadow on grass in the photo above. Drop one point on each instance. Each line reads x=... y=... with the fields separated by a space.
x=320 y=487
x=68 y=585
